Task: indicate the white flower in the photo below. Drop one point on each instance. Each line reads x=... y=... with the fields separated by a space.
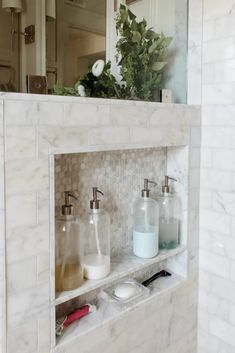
x=98 y=68
x=81 y=91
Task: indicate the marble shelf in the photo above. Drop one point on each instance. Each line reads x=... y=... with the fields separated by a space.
x=120 y=267
x=108 y=312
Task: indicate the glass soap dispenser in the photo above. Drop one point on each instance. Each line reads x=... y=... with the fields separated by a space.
x=69 y=248
x=97 y=246
x=170 y=215
x=146 y=224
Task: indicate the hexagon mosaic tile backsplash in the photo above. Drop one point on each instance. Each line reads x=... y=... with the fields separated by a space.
x=119 y=174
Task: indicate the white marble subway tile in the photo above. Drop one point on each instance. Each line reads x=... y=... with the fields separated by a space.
x=21 y=210
x=27 y=175
x=108 y=135
x=224 y=115
x=204 y=281
x=217 y=137
x=219 y=265
x=43 y=207
x=44 y=331
x=223 y=288
x=220 y=93
x=49 y=113
x=214 y=9
x=173 y=115
x=28 y=304
x=221 y=115
x=195 y=157
x=203 y=320
x=224 y=202
x=193 y=116
x=232 y=314
x=206 y=158
x=160 y=136
x=214 y=305
x=27 y=241
x=206 y=199
x=208 y=73
x=135 y=116
x=219 y=49
x=205 y=240
x=185 y=324
x=224 y=25
x=86 y=115
x=43 y=267
x=214 y=179
x=208 y=31
x=195 y=135
x=20 y=142
x=21 y=275
x=223 y=330
x=215 y=221
x=23 y=338
x=60 y=137
x=224 y=159
x=20 y=112
x=224 y=71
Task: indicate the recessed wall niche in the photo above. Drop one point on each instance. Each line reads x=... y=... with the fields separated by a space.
x=120 y=175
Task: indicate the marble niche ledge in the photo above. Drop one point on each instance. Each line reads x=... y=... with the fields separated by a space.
x=120 y=268
x=107 y=312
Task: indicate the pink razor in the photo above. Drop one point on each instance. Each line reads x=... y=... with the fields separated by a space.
x=65 y=321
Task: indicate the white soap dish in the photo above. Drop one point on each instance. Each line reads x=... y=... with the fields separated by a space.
x=126 y=292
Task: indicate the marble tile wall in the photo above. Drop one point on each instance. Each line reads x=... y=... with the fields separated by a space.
x=36 y=127
x=217 y=216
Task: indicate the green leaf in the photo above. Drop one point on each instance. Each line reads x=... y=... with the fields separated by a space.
x=167 y=41
x=131 y=15
x=136 y=37
x=152 y=48
x=158 y=66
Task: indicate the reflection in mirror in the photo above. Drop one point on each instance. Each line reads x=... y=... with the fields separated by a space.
x=9 y=48
x=75 y=39
x=78 y=32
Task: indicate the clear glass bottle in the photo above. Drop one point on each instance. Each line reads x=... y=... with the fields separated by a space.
x=170 y=217
x=69 y=248
x=146 y=224
x=97 y=245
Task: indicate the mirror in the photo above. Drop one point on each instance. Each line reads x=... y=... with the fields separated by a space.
x=70 y=35
x=75 y=38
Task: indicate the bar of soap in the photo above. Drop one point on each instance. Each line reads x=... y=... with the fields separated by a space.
x=125 y=291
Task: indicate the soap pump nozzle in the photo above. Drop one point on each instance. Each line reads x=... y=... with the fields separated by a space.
x=165 y=187
x=67 y=207
x=95 y=203
x=146 y=191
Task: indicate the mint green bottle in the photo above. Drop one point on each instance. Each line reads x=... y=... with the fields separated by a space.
x=146 y=224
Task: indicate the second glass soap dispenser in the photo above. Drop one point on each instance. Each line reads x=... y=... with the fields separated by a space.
x=97 y=242
x=170 y=216
x=146 y=224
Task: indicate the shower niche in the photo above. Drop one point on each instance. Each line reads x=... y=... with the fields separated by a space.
x=120 y=175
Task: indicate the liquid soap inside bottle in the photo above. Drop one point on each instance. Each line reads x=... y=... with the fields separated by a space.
x=97 y=248
x=145 y=232
x=170 y=215
x=69 y=252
